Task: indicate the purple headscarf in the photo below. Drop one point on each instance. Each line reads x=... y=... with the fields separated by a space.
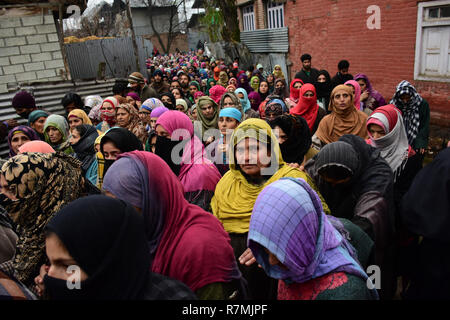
x=244 y=85
x=157 y=112
x=375 y=94
x=29 y=132
x=257 y=100
x=289 y=221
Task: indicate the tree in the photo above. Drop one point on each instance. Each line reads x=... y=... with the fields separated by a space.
x=221 y=20
x=173 y=26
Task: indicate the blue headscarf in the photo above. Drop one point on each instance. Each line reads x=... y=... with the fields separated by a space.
x=246 y=105
x=36 y=114
x=289 y=221
x=231 y=113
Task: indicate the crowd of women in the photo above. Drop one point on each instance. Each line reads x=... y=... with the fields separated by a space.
x=206 y=181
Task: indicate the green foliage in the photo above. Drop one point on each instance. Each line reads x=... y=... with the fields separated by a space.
x=214 y=22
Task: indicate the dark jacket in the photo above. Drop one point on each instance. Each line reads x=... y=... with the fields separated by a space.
x=421 y=140
x=312 y=78
x=148 y=93
x=340 y=78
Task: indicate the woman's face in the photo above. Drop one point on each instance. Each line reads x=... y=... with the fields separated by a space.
x=252 y=156
x=18 y=140
x=122 y=117
x=153 y=122
x=74 y=121
x=176 y=93
x=60 y=259
x=207 y=110
x=107 y=107
x=270 y=78
x=6 y=190
x=362 y=84
x=280 y=134
x=342 y=98
x=193 y=90
x=38 y=125
x=279 y=85
x=298 y=85
x=153 y=143
x=321 y=78
x=308 y=94
x=376 y=131
x=131 y=101
x=194 y=114
x=166 y=100
x=353 y=88
x=75 y=137
x=271 y=115
x=242 y=80
x=110 y=151
x=240 y=95
x=180 y=108
x=263 y=87
x=278 y=69
x=144 y=115
x=54 y=135
x=160 y=131
x=227 y=125
x=228 y=102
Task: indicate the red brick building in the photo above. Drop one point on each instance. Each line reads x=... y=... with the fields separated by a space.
x=396 y=40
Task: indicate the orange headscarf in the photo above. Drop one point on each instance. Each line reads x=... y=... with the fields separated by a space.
x=342 y=120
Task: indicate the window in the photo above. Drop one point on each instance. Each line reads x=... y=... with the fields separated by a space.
x=249 y=18
x=433 y=41
x=275 y=15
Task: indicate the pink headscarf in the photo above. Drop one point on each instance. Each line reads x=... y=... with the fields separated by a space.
x=216 y=92
x=36 y=146
x=198 y=94
x=197 y=172
x=357 y=93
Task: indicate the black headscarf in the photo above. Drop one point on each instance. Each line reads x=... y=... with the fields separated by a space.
x=323 y=89
x=123 y=139
x=172 y=99
x=426 y=206
x=298 y=142
x=84 y=148
x=117 y=261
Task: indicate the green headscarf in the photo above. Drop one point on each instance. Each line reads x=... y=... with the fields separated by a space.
x=208 y=84
x=60 y=123
x=207 y=123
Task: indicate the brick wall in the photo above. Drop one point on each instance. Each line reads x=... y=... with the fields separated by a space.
x=332 y=30
x=29 y=50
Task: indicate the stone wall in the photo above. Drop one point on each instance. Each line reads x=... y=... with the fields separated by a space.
x=29 y=51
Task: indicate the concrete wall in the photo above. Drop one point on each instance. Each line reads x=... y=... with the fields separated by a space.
x=141 y=21
x=335 y=30
x=29 y=50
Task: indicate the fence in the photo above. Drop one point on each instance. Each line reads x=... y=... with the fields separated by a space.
x=48 y=96
x=106 y=58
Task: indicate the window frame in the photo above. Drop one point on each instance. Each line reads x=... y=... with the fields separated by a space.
x=277 y=6
x=248 y=18
x=422 y=23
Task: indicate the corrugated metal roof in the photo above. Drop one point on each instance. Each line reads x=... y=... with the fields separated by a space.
x=266 y=40
x=48 y=96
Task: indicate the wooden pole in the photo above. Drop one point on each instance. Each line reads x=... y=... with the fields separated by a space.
x=133 y=36
x=61 y=41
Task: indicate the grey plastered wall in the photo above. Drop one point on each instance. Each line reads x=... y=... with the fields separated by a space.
x=29 y=50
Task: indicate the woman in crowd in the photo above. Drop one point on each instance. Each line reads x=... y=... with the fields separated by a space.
x=146 y=110
x=134 y=99
x=308 y=108
x=281 y=88
x=255 y=100
x=243 y=83
x=233 y=81
x=156 y=113
x=114 y=142
x=387 y=133
x=56 y=133
x=271 y=81
x=18 y=136
x=127 y=117
x=357 y=96
x=323 y=88
x=223 y=79
x=36 y=120
x=181 y=106
x=277 y=72
x=168 y=100
x=425 y=215
x=109 y=227
x=294 y=93
x=178 y=93
x=186 y=243
x=241 y=93
x=255 y=162
x=416 y=115
x=216 y=93
x=357 y=184
x=294 y=138
x=78 y=117
x=197 y=174
x=254 y=83
x=263 y=90
x=274 y=108
x=108 y=114
x=93 y=103
x=370 y=98
x=210 y=83
x=344 y=119
x=208 y=117
x=82 y=140
x=303 y=250
x=37 y=186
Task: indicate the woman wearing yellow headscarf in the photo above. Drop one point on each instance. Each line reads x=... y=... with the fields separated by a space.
x=278 y=72
x=254 y=83
x=255 y=162
x=223 y=79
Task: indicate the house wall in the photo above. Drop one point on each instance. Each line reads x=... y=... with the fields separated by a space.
x=334 y=30
x=29 y=50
